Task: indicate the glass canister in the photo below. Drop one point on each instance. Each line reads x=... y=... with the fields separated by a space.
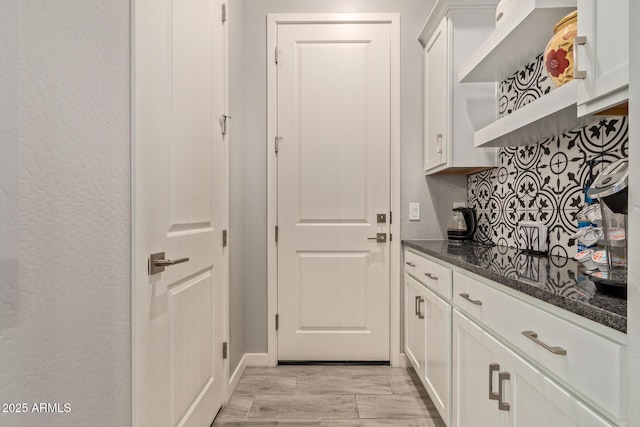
x=615 y=237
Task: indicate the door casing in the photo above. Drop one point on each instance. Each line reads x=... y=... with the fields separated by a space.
x=273 y=20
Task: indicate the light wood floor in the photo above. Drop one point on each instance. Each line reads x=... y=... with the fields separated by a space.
x=329 y=396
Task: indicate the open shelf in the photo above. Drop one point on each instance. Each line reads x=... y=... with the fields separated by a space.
x=522 y=36
x=550 y=115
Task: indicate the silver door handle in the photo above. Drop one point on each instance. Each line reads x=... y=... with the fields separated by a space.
x=167 y=262
x=380 y=238
x=416 y=306
x=157 y=262
x=578 y=41
x=502 y=377
x=431 y=276
x=472 y=301
x=493 y=367
x=534 y=337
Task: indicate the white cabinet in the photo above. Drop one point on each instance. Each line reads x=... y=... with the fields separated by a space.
x=414 y=323
x=428 y=341
x=437 y=361
x=492 y=386
x=453 y=110
x=435 y=99
x=603 y=54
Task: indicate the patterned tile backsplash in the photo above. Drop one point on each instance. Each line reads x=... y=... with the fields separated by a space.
x=543 y=182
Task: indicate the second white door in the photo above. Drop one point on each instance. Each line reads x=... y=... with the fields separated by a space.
x=334 y=129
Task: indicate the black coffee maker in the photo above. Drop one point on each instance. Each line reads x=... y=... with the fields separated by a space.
x=462 y=225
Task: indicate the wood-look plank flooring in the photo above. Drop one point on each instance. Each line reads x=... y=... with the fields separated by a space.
x=321 y=396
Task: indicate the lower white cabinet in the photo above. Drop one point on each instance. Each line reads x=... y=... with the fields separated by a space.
x=492 y=386
x=414 y=323
x=428 y=341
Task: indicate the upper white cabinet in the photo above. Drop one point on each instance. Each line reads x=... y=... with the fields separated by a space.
x=521 y=36
x=453 y=110
x=603 y=54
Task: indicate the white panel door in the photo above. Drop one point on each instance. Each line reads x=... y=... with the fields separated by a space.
x=179 y=153
x=334 y=125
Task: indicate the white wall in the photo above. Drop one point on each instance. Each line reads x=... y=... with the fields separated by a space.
x=237 y=201
x=435 y=194
x=65 y=233
x=633 y=309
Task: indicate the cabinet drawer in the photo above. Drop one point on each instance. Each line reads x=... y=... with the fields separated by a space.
x=592 y=365
x=431 y=274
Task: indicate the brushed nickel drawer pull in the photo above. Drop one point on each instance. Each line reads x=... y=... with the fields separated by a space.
x=502 y=405
x=420 y=313
x=410 y=264
x=430 y=276
x=416 y=306
x=494 y=367
x=472 y=301
x=533 y=336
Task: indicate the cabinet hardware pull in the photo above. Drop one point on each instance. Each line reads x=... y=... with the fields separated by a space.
x=416 y=306
x=430 y=276
x=578 y=41
x=410 y=264
x=494 y=367
x=502 y=405
x=439 y=143
x=533 y=336
x=472 y=301
x=420 y=313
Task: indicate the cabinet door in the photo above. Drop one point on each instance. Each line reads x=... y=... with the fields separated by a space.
x=437 y=363
x=436 y=105
x=605 y=54
x=414 y=323
x=476 y=364
x=535 y=400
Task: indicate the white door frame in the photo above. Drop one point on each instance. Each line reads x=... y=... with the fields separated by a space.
x=273 y=20
x=138 y=389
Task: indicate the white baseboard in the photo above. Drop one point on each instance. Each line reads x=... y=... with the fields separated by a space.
x=235 y=378
x=257 y=359
x=404 y=361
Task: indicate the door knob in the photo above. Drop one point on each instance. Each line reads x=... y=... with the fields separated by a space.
x=157 y=262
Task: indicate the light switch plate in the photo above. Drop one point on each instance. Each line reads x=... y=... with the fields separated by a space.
x=414 y=211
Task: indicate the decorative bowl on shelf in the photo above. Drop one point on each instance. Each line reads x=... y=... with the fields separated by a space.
x=558 y=56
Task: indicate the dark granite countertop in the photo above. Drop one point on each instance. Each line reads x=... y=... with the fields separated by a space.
x=556 y=280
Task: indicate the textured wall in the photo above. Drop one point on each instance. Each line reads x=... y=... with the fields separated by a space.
x=69 y=306
x=435 y=194
x=9 y=218
x=237 y=201
x=633 y=309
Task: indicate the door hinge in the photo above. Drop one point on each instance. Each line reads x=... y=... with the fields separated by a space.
x=224 y=350
x=224 y=123
x=390 y=217
x=277 y=144
x=276 y=52
x=276 y=233
x=390 y=237
x=277 y=321
x=224 y=12
x=224 y=238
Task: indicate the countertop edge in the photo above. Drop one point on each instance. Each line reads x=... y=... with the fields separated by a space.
x=599 y=315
